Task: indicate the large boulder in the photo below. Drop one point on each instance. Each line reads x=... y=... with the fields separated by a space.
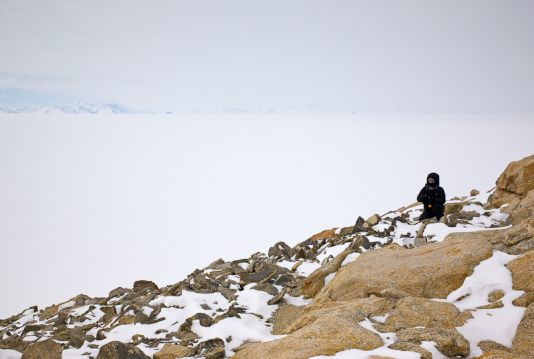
x=431 y=271
x=46 y=349
x=522 y=269
x=324 y=330
x=119 y=350
x=516 y=180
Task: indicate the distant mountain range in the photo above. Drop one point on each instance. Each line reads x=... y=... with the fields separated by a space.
x=113 y=107
x=97 y=107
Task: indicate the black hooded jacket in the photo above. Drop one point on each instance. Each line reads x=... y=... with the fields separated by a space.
x=432 y=197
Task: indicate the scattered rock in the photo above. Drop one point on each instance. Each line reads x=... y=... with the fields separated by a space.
x=280 y=250
x=49 y=312
x=261 y=274
x=109 y=313
x=14 y=343
x=451 y=208
x=474 y=192
x=142 y=285
x=267 y=288
x=75 y=336
x=358 y=226
x=373 y=220
x=119 y=350
x=360 y=241
x=277 y=298
x=172 y=351
x=495 y=295
x=211 y=349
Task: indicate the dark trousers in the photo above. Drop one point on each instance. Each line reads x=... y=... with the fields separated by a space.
x=432 y=212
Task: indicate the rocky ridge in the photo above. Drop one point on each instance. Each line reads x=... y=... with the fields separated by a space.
x=383 y=287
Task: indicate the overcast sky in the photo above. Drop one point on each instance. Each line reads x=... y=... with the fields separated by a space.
x=379 y=55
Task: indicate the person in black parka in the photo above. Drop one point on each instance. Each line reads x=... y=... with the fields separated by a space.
x=433 y=198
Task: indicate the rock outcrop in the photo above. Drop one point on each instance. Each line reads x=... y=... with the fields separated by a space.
x=431 y=271
x=516 y=180
x=323 y=330
x=522 y=269
x=523 y=341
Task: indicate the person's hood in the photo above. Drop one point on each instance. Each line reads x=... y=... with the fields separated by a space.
x=433 y=175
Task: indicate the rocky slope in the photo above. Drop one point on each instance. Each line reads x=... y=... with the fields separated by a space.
x=464 y=288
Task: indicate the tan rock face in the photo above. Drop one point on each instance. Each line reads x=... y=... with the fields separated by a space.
x=516 y=180
x=316 y=280
x=47 y=349
x=523 y=344
x=323 y=329
x=420 y=312
x=325 y=336
x=448 y=341
x=431 y=271
x=520 y=209
x=411 y=347
x=172 y=351
x=522 y=269
x=365 y=306
x=327 y=233
x=497 y=354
